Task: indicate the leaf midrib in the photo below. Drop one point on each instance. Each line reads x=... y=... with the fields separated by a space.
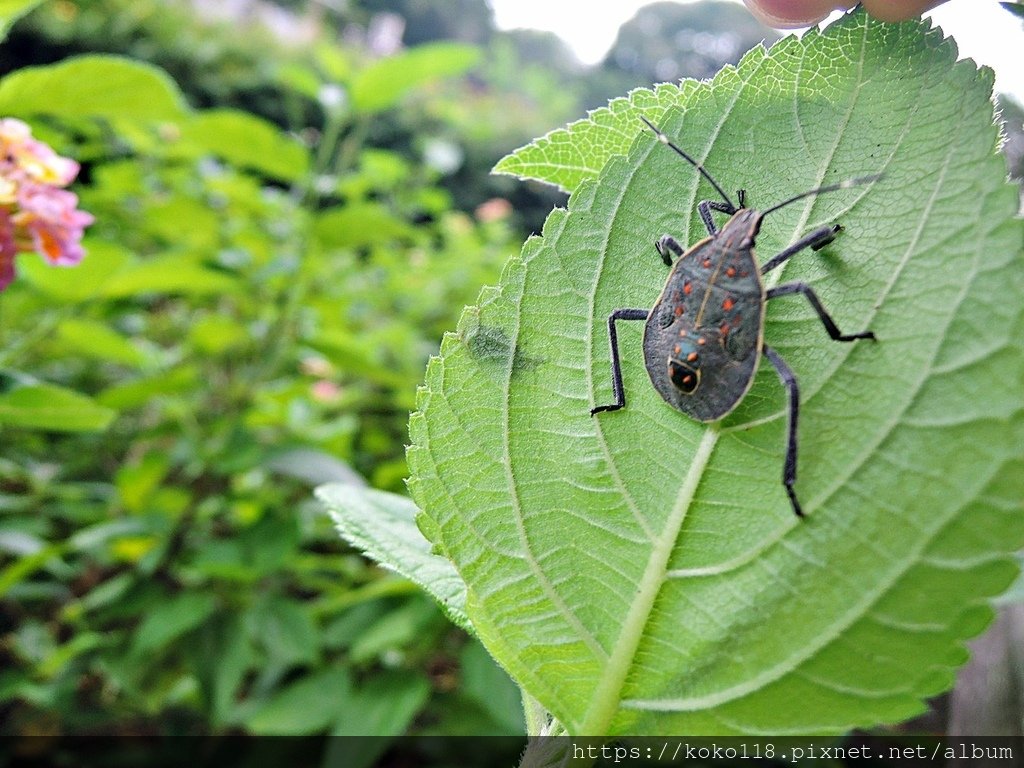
x=607 y=697
x=870 y=599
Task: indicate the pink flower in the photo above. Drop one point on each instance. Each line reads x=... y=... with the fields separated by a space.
x=35 y=213
x=50 y=217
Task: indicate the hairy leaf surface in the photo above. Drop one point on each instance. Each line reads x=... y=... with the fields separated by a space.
x=639 y=572
x=382 y=526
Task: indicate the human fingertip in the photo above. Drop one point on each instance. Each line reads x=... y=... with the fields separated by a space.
x=789 y=14
x=886 y=10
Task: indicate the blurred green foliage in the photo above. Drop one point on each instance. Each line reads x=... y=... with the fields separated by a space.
x=252 y=319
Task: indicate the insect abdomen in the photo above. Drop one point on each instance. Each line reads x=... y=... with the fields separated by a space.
x=703 y=337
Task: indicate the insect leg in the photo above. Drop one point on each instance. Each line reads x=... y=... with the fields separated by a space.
x=789 y=382
x=705 y=207
x=787 y=289
x=666 y=245
x=619 y=392
x=816 y=240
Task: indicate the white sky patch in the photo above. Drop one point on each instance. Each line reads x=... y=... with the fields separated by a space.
x=983 y=31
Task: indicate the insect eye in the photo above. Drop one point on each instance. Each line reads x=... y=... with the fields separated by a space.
x=685 y=378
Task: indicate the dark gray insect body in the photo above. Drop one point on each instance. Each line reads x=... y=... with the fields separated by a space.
x=704 y=336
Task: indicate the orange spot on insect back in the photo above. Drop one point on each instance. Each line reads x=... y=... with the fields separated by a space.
x=678 y=310
x=730 y=272
x=728 y=304
x=690 y=357
x=687 y=288
x=707 y=263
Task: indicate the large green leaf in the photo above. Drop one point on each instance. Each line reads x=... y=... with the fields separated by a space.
x=248 y=141
x=92 y=86
x=53 y=408
x=639 y=572
x=381 y=85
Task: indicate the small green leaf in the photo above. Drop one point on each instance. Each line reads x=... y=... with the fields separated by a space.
x=360 y=224
x=214 y=334
x=99 y=534
x=92 y=86
x=88 y=338
x=58 y=659
x=271 y=543
x=135 y=394
x=222 y=655
x=287 y=632
x=52 y=408
x=249 y=142
x=639 y=572
x=171 y=619
x=310 y=705
x=168 y=274
x=11 y=11
x=395 y=630
x=107 y=592
x=384 y=706
x=312 y=466
x=81 y=282
x=383 y=525
x=26 y=565
x=382 y=84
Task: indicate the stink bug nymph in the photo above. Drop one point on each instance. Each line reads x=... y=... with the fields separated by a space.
x=705 y=334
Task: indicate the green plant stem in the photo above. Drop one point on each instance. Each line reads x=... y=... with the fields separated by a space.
x=386 y=587
x=282 y=334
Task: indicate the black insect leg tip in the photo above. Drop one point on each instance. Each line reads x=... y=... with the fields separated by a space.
x=666 y=245
x=817 y=246
x=789 y=289
x=796 y=504
x=613 y=342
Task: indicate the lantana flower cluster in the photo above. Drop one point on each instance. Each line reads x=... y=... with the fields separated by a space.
x=36 y=214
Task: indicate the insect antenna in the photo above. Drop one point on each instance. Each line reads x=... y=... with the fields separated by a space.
x=830 y=188
x=668 y=142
